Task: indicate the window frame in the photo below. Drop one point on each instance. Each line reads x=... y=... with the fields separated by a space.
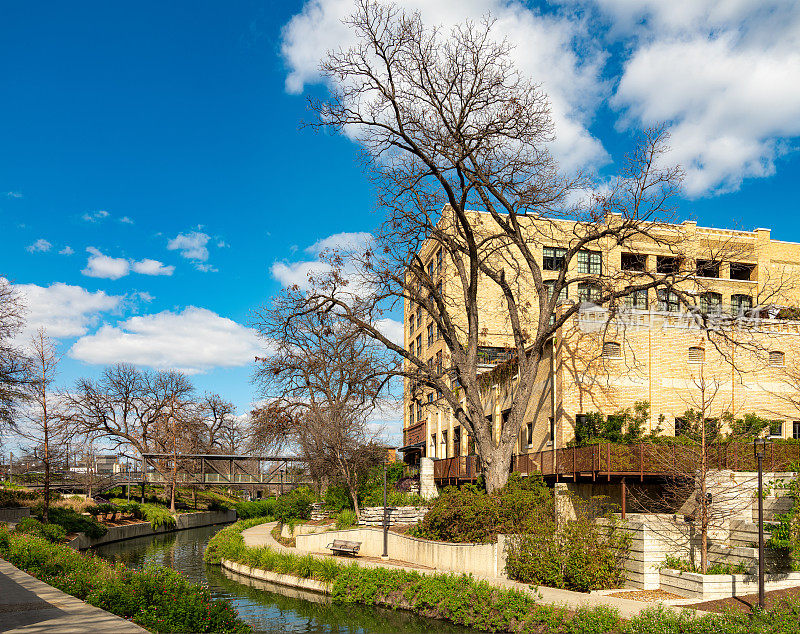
x=632 y=300
x=588 y=264
x=737 y=308
x=550 y=261
x=780 y=428
x=668 y=300
x=594 y=293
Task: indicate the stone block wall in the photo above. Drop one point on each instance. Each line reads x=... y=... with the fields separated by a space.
x=373 y=515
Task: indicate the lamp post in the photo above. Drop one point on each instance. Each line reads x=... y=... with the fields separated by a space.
x=760 y=449
x=385 y=554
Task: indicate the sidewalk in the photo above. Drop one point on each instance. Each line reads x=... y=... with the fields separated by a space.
x=30 y=605
x=627 y=608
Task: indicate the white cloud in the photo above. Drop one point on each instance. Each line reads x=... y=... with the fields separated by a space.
x=63 y=310
x=152 y=267
x=13 y=195
x=67 y=250
x=193 y=340
x=391 y=329
x=192 y=246
x=547 y=49
x=94 y=216
x=126 y=220
x=297 y=273
x=103 y=266
x=40 y=246
x=341 y=242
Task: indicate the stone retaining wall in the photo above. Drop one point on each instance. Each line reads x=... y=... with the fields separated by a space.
x=478 y=559
x=143 y=529
x=14 y=514
x=373 y=515
x=710 y=587
x=290 y=581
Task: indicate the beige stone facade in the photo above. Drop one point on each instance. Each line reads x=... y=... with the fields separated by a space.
x=651 y=351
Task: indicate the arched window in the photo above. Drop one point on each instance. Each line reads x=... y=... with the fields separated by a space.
x=696 y=355
x=777 y=358
x=612 y=350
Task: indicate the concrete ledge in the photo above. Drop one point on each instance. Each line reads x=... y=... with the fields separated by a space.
x=709 y=587
x=290 y=581
x=14 y=514
x=143 y=529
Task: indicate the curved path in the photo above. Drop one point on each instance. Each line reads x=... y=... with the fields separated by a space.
x=261 y=536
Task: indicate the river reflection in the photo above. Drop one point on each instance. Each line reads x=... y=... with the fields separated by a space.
x=264 y=606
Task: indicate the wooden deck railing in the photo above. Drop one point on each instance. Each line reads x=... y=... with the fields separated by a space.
x=641 y=459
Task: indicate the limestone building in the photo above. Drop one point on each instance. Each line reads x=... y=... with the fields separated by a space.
x=650 y=349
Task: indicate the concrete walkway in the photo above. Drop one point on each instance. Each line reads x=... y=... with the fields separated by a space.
x=30 y=605
x=261 y=536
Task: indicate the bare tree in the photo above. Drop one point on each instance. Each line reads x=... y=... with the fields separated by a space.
x=456 y=140
x=323 y=379
x=43 y=422
x=13 y=361
x=224 y=429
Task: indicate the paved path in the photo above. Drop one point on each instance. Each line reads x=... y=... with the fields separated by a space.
x=30 y=605
x=261 y=536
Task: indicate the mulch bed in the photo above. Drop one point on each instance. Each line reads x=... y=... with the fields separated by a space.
x=649 y=596
x=746 y=602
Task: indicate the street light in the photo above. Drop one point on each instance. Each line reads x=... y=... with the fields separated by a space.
x=760 y=449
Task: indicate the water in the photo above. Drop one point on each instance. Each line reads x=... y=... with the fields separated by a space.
x=264 y=606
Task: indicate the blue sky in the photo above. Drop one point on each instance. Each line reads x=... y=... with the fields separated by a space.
x=155 y=185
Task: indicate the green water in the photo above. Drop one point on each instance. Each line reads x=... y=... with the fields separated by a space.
x=265 y=607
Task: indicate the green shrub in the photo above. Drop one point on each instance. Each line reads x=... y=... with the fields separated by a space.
x=16 y=497
x=684 y=565
x=157 y=599
x=256 y=508
x=346 y=519
x=158 y=516
x=581 y=554
x=73 y=522
x=294 y=505
x=337 y=499
x=465 y=515
x=217 y=506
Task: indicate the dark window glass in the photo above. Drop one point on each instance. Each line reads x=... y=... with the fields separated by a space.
x=667 y=264
x=634 y=262
x=741 y=271
x=553 y=258
x=707 y=268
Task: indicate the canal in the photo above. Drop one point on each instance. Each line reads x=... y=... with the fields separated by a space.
x=265 y=607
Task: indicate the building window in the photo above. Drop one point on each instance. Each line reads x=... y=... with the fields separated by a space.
x=588 y=292
x=777 y=358
x=439 y=261
x=411 y=348
x=637 y=299
x=590 y=262
x=707 y=268
x=419 y=345
x=411 y=322
x=634 y=262
x=553 y=258
x=776 y=428
x=439 y=362
x=741 y=304
x=433 y=445
x=431 y=268
x=680 y=426
x=419 y=319
x=741 y=271
x=668 y=264
x=419 y=412
x=430 y=397
x=430 y=335
x=552 y=431
x=612 y=350
x=796 y=429
x=457 y=441
x=710 y=303
x=529 y=434
x=668 y=301
x=563 y=295
x=697 y=355
x=410 y=415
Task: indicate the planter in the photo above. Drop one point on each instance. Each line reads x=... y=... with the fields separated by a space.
x=708 y=587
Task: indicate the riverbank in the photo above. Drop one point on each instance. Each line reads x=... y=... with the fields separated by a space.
x=30 y=605
x=183 y=521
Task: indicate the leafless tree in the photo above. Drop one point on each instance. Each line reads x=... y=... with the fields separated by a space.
x=225 y=430
x=456 y=140
x=43 y=424
x=323 y=378
x=13 y=361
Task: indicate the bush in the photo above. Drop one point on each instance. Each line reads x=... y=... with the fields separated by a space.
x=256 y=508
x=684 y=565
x=73 y=522
x=216 y=505
x=157 y=599
x=587 y=553
x=294 y=505
x=158 y=516
x=337 y=499
x=346 y=519
x=15 y=497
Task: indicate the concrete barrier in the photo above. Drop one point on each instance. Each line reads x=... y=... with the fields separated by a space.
x=290 y=581
x=478 y=559
x=710 y=587
x=14 y=514
x=143 y=529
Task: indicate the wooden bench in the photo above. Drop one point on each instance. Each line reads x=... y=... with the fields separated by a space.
x=345 y=547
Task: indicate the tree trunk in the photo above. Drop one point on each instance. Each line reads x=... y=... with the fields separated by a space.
x=354 y=497
x=46 y=512
x=497 y=467
x=172 y=497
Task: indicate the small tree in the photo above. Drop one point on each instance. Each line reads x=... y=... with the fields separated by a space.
x=43 y=422
x=14 y=364
x=324 y=379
